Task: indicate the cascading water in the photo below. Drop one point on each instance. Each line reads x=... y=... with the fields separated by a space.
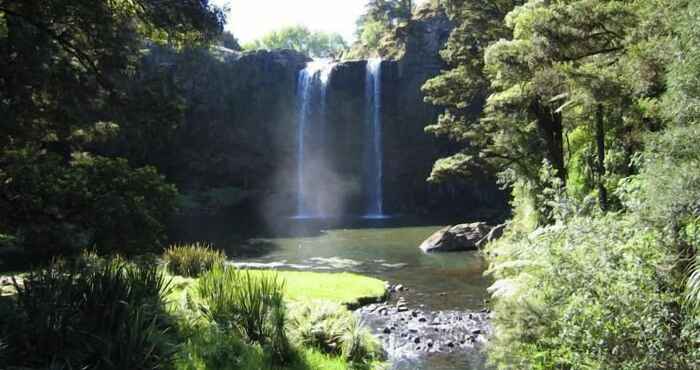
x=374 y=156
x=311 y=99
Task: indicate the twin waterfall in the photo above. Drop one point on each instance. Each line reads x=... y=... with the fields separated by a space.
x=312 y=171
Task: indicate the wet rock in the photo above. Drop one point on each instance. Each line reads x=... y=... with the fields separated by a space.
x=387 y=330
x=463 y=237
x=416 y=340
x=495 y=233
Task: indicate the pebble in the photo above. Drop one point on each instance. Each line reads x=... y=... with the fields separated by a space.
x=406 y=328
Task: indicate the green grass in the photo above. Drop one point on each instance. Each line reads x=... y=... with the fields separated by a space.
x=209 y=350
x=348 y=289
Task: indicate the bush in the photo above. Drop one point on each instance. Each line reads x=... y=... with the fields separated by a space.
x=110 y=316
x=333 y=330
x=251 y=304
x=192 y=260
x=592 y=293
x=210 y=347
x=62 y=208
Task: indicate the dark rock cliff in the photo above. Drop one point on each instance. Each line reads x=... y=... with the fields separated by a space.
x=241 y=127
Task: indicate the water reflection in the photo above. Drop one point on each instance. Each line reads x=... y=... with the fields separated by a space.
x=386 y=249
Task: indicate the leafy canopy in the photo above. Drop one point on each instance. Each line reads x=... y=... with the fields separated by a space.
x=315 y=44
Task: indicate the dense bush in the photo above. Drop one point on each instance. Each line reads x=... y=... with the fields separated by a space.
x=211 y=347
x=250 y=304
x=192 y=260
x=107 y=316
x=334 y=330
x=594 y=293
x=91 y=202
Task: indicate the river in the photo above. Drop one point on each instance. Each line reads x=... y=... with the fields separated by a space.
x=388 y=250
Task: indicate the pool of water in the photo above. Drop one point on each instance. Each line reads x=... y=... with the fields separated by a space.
x=388 y=250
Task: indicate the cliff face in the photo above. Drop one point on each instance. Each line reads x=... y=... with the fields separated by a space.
x=410 y=152
x=242 y=120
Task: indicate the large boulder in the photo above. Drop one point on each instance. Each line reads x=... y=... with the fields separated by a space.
x=463 y=237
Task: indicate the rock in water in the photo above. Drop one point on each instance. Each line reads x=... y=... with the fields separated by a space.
x=463 y=237
x=495 y=233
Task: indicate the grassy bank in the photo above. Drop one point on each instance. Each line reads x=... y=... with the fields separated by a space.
x=345 y=289
x=113 y=314
x=318 y=323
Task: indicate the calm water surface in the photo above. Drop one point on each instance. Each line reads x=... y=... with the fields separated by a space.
x=388 y=251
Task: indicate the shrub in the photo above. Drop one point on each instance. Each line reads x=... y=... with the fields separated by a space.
x=591 y=293
x=192 y=260
x=333 y=330
x=106 y=317
x=251 y=304
x=61 y=208
x=210 y=347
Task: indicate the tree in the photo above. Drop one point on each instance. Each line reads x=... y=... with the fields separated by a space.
x=301 y=39
x=64 y=72
x=549 y=69
x=229 y=41
x=462 y=89
x=380 y=20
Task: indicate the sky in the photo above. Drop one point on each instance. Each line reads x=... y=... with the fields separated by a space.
x=251 y=19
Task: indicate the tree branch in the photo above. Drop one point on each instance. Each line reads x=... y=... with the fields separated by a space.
x=66 y=45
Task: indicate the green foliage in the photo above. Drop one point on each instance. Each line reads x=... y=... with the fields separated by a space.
x=591 y=293
x=251 y=304
x=682 y=102
x=211 y=347
x=525 y=75
x=108 y=316
x=343 y=343
x=376 y=29
x=92 y=202
x=667 y=189
x=301 y=39
x=332 y=329
x=63 y=72
x=192 y=260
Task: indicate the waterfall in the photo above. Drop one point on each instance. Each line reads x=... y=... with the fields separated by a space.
x=374 y=156
x=311 y=107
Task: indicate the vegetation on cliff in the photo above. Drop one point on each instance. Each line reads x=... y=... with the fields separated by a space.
x=587 y=109
x=315 y=44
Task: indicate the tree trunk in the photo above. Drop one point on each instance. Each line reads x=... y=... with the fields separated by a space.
x=600 y=166
x=551 y=131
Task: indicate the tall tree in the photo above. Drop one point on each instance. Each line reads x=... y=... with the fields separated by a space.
x=462 y=89
x=64 y=67
x=548 y=69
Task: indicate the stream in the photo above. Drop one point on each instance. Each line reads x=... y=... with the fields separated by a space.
x=437 y=285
